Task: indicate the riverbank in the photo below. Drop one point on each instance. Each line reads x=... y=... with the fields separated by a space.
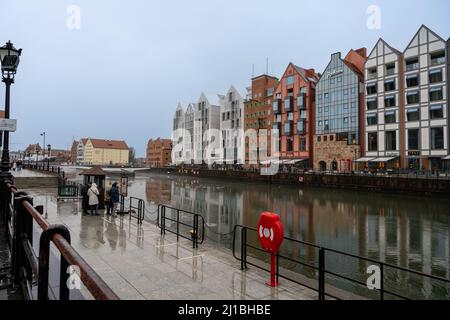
x=372 y=183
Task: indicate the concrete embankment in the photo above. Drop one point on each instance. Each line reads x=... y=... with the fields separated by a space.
x=396 y=184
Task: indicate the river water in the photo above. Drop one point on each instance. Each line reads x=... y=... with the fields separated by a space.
x=402 y=230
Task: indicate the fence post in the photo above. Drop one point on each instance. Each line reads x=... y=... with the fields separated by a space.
x=243 y=248
x=321 y=274
x=44 y=257
x=178 y=224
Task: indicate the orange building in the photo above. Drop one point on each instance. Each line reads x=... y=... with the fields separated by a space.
x=293 y=115
x=258 y=111
x=159 y=153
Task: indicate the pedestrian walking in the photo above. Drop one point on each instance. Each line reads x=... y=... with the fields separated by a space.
x=85 y=198
x=93 y=199
x=114 y=197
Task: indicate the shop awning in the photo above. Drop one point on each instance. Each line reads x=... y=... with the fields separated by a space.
x=446 y=158
x=365 y=159
x=383 y=159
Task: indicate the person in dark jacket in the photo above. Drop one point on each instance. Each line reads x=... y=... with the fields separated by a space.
x=115 y=197
x=85 y=198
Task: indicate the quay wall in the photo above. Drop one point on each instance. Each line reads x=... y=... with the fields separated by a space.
x=396 y=184
x=36 y=182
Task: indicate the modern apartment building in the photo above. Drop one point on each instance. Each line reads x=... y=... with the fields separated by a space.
x=407 y=104
x=258 y=116
x=338 y=112
x=385 y=132
x=188 y=138
x=231 y=126
x=207 y=124
x=426 y=101
x=177 y=135
x=293 y=115
x=159 y=153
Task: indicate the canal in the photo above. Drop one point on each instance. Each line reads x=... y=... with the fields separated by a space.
x=404 y=230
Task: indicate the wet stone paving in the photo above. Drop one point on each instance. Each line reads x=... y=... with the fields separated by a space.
x=138 y=263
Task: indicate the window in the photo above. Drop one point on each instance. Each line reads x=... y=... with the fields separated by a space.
x=436 y=112
x=372 y=119
x=413 y=114
x=437 y=138
x=413 y=139
x=372 y=138
x=436 y=94
x=372 y=104
x=435 y=76
x=325 y=138
x=345 y=92
x=412 y=64
x=390 y=69
x=302 y=144
x=301 y=101
x=389 y=117
x=326 y=97
x=389 y=101
x=276 y=106
x=412 y=81
x=372 y=73
x=345 y=120
x=269 y=92
x=345 y=106
x=412 y=97
x=301 y=127
x=353 y=91
x=437 y=58
x=371 y=88
x=290 y=145
x=289 y=80
x=326 y=125
x=389 y=85
x=339 y=79
x=319 y=139
x=288 y=104
x=391 y=141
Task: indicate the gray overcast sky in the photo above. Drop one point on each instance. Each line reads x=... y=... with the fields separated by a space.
x=121 y=75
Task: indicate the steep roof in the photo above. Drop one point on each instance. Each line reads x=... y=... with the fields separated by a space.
x=94 y=171
x=109 y=144
x=213 y=98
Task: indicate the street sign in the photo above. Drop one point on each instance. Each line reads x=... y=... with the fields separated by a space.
x=8 y=125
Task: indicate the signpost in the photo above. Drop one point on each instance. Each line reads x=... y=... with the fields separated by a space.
x=8 y=125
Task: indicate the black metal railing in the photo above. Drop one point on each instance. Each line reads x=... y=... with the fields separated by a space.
x=27 y=268
x=187 y=225
x=137 y=209
x=321 y=269
x=46 y=167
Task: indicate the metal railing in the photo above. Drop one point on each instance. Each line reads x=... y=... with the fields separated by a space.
x=46 y=167
x=137 y=209
x=195 y=224
x=322 y=269
x=27 y=268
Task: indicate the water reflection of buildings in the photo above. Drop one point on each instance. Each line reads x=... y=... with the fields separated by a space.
x=158 y=191
x=220 y=206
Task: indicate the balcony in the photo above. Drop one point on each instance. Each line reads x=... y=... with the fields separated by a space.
x=276 y=106
x=437 y=58
x=288 y=104
x=413 y=65
x=301 y=102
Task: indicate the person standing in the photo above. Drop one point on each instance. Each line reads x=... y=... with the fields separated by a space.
x=85 y=198
x=114 y=197
x=93 y=199
x=108 y=202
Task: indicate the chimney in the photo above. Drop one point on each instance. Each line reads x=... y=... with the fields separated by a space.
x=362 y=52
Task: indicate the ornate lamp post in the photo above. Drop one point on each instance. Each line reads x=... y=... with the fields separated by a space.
x=10 y=58
x=49 y=148
x=43 y=146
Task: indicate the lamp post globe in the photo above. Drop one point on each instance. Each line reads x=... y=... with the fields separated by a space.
x=9 y=58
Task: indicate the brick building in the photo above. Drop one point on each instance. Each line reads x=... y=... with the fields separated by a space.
x=258 y=113
x=339 y=120
x=293 y=115
x=159 y=153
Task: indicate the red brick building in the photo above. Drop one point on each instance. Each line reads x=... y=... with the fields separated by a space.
x=159 y=153
x=293 y=115
x=258 y=111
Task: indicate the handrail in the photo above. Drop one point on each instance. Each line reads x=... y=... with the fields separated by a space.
x=321 y=265
x=161 y=223
x=69 y=256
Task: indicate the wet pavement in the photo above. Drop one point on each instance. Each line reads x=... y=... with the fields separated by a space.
x=137 y=263
x=30 y=174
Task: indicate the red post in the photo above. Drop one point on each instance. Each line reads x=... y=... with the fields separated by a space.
x=273 y=271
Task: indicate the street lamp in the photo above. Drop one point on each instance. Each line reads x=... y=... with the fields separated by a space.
x=43 y=146
x=49 y=148
x=10 y=58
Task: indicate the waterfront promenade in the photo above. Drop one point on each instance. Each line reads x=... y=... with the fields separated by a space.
x=137 y=263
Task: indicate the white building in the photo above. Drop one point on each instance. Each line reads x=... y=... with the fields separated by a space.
x=231 y=126
x=177 y=135
x=426 y=118
x=384 y=105
x=188 y=138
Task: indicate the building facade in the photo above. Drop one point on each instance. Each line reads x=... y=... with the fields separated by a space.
x=426 y=101
x=384 y=127
x=231 y=126
x=206 y=124
x=188 y=138
x=104 y=152
x=258 y=116
x=178 y=135
x=407 y=104
x=339 y=108
x=159 y=153
x=293 y=115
